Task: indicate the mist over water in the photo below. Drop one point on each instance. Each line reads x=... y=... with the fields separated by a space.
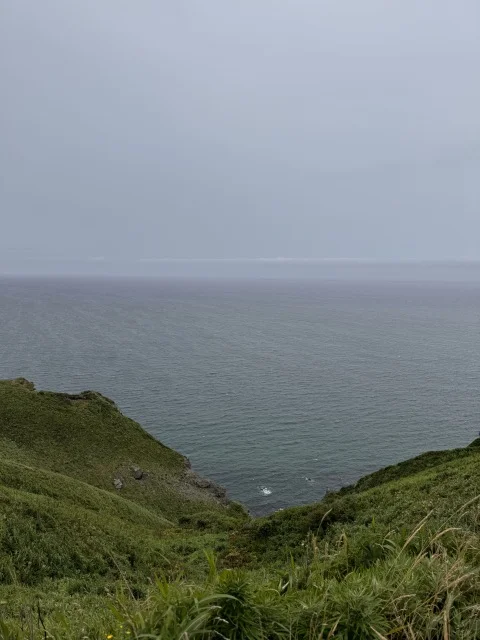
x=277 y=388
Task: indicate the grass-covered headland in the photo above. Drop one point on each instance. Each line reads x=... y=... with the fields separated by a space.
x=106 y=533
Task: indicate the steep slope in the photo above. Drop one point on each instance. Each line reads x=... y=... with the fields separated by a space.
x=61 y=516
x=53 y=526
x=86 y=437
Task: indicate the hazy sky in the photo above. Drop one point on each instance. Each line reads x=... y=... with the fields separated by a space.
x=145 y=129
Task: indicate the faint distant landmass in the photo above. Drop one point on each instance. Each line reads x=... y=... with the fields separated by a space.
x=282 y=267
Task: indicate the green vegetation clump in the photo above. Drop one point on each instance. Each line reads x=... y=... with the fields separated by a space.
x=106 y=533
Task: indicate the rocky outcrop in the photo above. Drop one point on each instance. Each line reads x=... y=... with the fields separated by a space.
x=137 y=472
x=214 y=489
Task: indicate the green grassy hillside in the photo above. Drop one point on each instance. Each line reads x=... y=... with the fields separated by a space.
x=397 y=555
x=437 y=484
x=86 y=437
x=64 y=526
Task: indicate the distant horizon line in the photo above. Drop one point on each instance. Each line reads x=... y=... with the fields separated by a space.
x=243 y=260
x=285 y=259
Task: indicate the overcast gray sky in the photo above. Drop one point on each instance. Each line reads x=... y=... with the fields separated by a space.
x=137 y=130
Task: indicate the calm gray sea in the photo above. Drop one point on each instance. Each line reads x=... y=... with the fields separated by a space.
x=276 y=389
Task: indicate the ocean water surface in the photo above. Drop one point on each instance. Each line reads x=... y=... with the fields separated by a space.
x=278 y=389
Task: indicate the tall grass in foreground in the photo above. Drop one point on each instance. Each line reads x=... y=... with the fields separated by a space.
x=374 y=584
x=401 y=589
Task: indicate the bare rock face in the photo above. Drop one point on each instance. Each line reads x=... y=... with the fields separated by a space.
x=117 y=483
x=211 y=489
x=218 y=491
x=209 y=485
x=201 y=483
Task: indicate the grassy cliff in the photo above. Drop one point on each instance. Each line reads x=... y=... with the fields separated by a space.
x=87 y=438
x=106 y=532
x=90 y=502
